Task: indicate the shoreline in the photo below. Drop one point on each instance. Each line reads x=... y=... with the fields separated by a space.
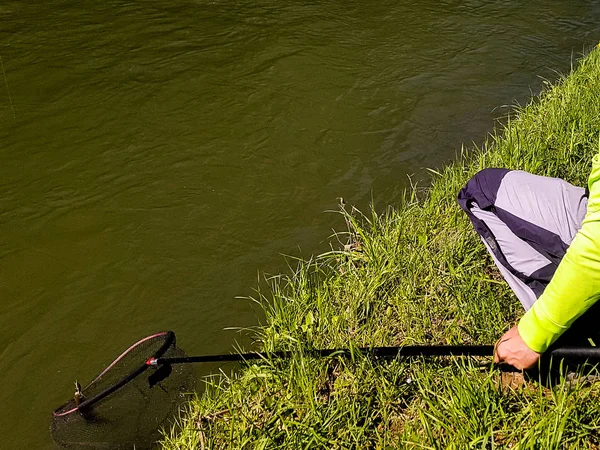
x=416 y=274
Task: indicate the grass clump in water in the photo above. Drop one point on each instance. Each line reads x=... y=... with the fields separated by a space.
x=416 y=274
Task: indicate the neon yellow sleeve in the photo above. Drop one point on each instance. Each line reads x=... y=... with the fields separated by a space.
x=576 y=284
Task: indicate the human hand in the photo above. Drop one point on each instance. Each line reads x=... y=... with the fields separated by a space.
x=512 y=349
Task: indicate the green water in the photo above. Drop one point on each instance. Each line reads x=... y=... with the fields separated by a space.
x=156 y=156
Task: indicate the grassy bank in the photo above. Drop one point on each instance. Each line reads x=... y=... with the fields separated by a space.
x=414 y=274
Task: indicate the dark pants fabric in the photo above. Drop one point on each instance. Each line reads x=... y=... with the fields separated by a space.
x=526 y=222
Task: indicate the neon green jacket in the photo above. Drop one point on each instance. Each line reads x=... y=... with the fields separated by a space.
x=576 y=284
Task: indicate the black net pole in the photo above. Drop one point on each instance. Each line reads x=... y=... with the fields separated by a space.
x=576 y=353
x=409 y=351
x=381 y=352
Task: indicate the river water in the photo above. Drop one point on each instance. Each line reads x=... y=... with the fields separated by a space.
x=156 y=157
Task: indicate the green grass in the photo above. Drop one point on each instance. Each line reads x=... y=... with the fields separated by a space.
x=414 y=274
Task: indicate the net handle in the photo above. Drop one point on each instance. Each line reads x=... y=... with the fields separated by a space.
x=408 y=351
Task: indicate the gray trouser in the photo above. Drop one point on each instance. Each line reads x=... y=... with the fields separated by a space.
x=526 y=222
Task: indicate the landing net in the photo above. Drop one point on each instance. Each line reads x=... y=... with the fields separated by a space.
x=126 y=405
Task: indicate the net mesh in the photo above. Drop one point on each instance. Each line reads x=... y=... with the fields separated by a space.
x=127 y=404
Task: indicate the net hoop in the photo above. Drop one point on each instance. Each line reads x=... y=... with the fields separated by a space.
x=169 y=340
